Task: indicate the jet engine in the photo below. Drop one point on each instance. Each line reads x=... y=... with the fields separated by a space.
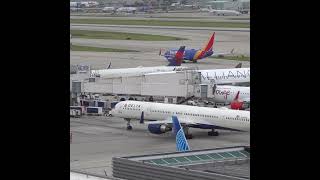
x=158 y=128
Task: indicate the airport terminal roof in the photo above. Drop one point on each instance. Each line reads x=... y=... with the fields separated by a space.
x=219 y=163
x=194 y=157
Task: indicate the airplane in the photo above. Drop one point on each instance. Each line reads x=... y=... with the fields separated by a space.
x=236 y=96
x=109 y=9
x=223 y=12
x=174 y=65
x=190 y=117
x=234 y=76
x=195 y=54
x=127 y=9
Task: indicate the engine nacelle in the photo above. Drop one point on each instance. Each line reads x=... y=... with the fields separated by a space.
x=158 y=128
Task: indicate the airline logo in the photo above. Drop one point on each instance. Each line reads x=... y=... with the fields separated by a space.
x=181 y=141
x=224 y=93
x=231 y=74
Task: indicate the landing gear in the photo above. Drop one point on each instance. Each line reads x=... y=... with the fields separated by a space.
x=129 y=127
x=194 y=61
x=213 y=133
x=186 y=132
x=183 y=61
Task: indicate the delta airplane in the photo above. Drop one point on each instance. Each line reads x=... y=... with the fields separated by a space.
x=195 y=54
x=232 y=95
x=190 y=116
x=174 y=65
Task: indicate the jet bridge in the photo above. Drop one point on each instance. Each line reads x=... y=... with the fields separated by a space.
x=177 y=84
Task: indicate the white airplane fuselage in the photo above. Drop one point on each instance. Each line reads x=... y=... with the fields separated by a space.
x=125 y=72
x=225 y=12
x=234 y=119
x=225 y=76
x=226 y=94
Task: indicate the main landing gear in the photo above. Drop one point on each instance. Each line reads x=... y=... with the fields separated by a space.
x=186 y=132
x=194 y=61
x=213 y=133
x=129 y=127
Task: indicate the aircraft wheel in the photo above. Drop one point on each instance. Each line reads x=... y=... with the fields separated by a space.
x=129 y=127
x=194 y=61
x=213 y=133
x=189 y=136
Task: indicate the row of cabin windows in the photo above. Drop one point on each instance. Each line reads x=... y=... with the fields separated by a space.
x=135 y=109
x=243 y=119
x=240 y=93
x=188 y=114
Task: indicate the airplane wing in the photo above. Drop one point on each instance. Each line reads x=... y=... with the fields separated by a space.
x=169 y=121
x=194 y=123
x=182 y=120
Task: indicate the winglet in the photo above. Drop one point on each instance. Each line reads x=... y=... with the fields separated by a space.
x=232 y=51
x=239 y=65
x=109 y=65
x=181 y=141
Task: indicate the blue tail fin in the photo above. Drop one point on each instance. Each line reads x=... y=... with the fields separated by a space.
x=181 y=141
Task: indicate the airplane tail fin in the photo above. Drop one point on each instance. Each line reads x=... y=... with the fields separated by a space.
x=181 y=140
x=239 y=65
x=177 y=59
x=109 y=65
x=209 y=44
x=237 y=96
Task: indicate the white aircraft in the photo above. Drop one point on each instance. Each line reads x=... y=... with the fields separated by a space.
x=109 y=9
x=226 y=76
x=226 y=94
x=222 y=12
x=174 y=65
x=74 y=4
x=190 y=116
x=127 y=9
x=138 y=71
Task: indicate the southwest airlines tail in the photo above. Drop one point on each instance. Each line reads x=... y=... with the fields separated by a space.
x=209 y=44
x=181 y=141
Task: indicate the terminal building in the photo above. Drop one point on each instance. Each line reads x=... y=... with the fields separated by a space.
x=231 y=163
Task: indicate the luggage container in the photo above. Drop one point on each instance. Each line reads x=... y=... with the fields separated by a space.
x=97 y=111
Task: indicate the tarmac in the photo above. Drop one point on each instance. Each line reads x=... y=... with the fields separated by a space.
x=96 y=139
